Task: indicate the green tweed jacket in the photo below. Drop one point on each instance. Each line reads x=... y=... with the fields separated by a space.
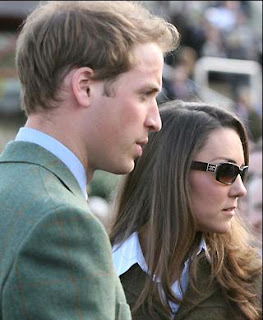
x=55 y=256
x=210 y=304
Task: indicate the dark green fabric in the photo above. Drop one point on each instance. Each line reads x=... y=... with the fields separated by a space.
x=55 y=256
x=211 y=304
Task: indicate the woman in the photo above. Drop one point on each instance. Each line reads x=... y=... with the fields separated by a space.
x=180 y=248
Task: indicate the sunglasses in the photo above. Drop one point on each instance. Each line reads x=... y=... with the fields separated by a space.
x=225 y=173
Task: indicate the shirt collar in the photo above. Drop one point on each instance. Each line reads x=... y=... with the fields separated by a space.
x=59 y=150
x=128 y=253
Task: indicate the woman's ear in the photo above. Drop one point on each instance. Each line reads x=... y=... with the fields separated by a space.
x=80 y=81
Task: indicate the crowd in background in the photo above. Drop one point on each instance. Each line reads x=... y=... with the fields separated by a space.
x=224 y=29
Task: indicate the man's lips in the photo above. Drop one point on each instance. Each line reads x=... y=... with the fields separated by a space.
x=140 y=144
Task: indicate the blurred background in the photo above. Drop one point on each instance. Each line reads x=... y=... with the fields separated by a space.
x=219 y=60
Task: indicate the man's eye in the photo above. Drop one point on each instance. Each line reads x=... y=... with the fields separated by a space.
x=151 y=94
x=146 y=94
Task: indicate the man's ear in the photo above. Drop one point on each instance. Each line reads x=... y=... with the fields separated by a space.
x=80 y=81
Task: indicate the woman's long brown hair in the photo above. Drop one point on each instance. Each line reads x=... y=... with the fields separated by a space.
x=154 y=200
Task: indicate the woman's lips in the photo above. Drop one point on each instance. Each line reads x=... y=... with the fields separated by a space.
x=230 y=211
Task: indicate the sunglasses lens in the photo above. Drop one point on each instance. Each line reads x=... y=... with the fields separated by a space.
x=227 y=173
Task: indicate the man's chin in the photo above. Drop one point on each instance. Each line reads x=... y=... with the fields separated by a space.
x=125 y=169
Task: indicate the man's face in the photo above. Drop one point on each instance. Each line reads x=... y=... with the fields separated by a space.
x=121 y=122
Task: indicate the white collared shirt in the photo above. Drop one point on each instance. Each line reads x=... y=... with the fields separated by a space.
x=59 y=150
x=129 y=253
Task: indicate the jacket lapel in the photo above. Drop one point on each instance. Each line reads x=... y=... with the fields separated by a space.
x=205 y=291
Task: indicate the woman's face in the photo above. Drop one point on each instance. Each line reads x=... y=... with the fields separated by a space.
x=214 y=204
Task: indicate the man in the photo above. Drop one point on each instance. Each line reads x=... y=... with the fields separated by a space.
x=90 y=72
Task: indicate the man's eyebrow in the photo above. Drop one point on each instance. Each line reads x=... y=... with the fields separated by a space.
x=151 y=89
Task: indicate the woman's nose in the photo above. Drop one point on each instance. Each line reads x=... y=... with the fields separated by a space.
x=238 y=188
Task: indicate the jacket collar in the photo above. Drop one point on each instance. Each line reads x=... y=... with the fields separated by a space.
x=207 y=289
x=19 y=152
